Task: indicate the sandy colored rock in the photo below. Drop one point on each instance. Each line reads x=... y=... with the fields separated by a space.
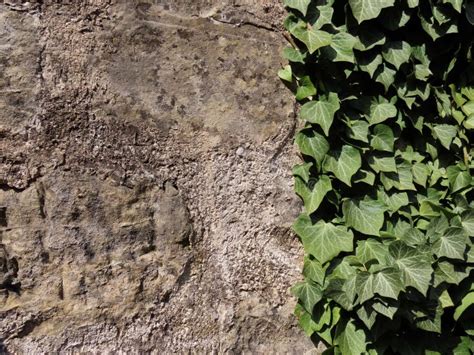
x=145 y=173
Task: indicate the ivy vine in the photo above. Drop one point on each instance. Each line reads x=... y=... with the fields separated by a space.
x=387 y=95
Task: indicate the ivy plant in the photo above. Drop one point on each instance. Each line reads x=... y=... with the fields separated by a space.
x=387 y=99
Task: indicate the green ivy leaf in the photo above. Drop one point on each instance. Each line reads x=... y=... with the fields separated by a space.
x=458 y=178
x=445 y=272
x=420 y=173
x=388 y=283
x=313 y=38
x=456 y=4
x=302 y=171
x=369 y=63
x=415 y=267
x=359 y=130
x=351 y=341
x=313 y=270
x=300 y=5
x=366 y=216
x=385 y=76
x=467 y=219
x=383 y=138
x=445 y=133
x=321 y=112
x=365 y=286
x=341 y=48
x=452 y=244
x=368 y=9
x=397 y=53
x=402 y=181
x=381 y=111
x=305 y=88
x=286 y=73
x=322 y=16
x=466 y=302
x=345 y=165
x=305 y=320
x=386 y=164
x=308 y=293
x=369 y=250
x=323 y=240
x=312 y=144
x=313 y=197
x=394 y=201
x=293 y=55
x=466 y=345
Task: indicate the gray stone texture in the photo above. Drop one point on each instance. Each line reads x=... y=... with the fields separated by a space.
x=145 y=178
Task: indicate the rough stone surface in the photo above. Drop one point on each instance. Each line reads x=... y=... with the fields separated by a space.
x=145 y=188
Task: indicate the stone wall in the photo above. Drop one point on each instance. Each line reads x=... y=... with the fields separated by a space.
x=145 y=178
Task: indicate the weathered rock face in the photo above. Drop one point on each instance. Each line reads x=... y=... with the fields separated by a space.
x=145 y=158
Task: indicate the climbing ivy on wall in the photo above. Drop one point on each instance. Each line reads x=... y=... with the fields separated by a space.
x=387 y=98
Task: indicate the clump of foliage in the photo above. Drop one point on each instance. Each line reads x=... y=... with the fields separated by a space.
x=387 y=94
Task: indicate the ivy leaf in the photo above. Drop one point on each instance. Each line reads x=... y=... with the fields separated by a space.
x=365 y=286
x=341 y=48
x=458 y=178
x=394 y=201
x=364 y=176
x=293 y=55
x=313 y=144
x=300 y=5
x=313 y=197
x=308 y=293
x=351 y=341
x=323 y=240
x=386 y=164
x=465 y=346
x=302 y=171
x=321 y=16
x=402 y=181
x=359 y=130
x=367 y=315
x=368 y=9
x=313 y=270
x=369 y=39
x=286 y=73
x=388 y=283
x=386 y=309
x=385 y=76
x=451 y=244
x=397 y=53
x=370 y=249
x=366 y=216
x=466 y=302
x=467 y=220
x=345 y=165
x=446 y=272
x=321 y=112
x=415 y=267
x=305 y=88
x=456 y=4
x=429 y=320
x=445 y=133
x=369 y=63
x=340 y=293
x=383 y=138
x=381 y=111
x=313 y=38
x=305 y=320
x=420 y=173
